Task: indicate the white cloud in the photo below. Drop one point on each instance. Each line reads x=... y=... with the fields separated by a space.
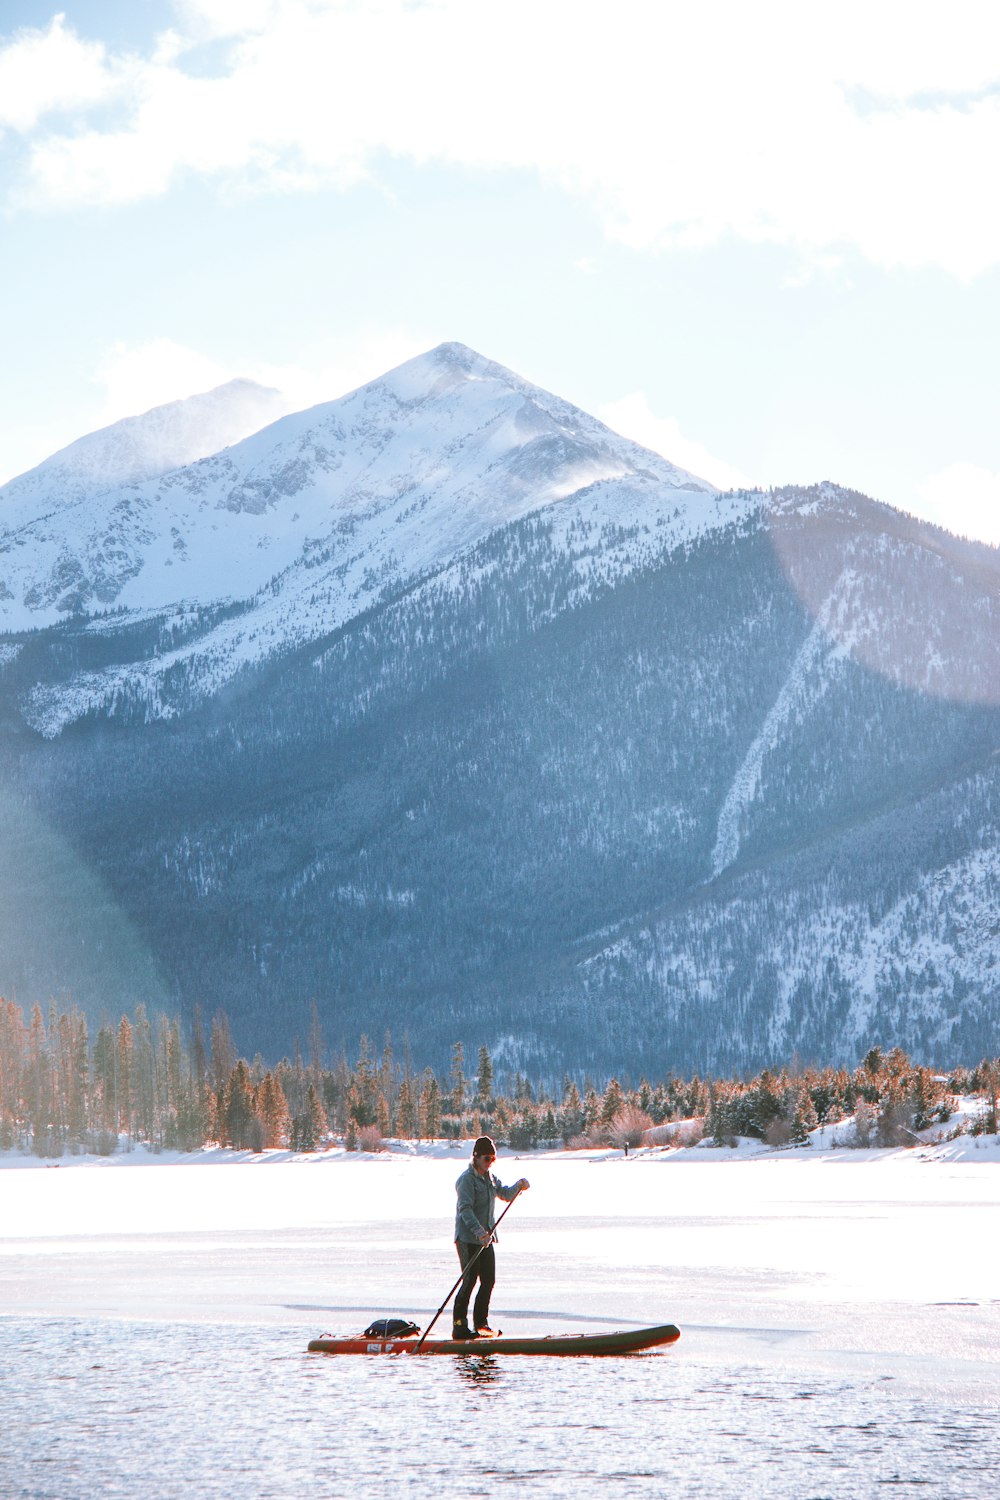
x=876 y=127
x=963 y=498
x=632 y=417
x=211 y=19
x=52 y=70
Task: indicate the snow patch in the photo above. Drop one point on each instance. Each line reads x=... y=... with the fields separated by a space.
x=809 y=678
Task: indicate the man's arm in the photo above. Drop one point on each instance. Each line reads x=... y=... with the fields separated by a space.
x=509 y=1193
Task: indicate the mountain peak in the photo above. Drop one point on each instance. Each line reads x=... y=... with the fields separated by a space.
x=385 y=485
x=144 y=446
x=455 y=353
x=439 y=369
x=452 y=372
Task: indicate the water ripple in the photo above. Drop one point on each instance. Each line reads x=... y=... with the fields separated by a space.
x=130 y=1410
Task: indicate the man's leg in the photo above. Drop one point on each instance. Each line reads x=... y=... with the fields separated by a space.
x=470 y=1272
x=487 y=1277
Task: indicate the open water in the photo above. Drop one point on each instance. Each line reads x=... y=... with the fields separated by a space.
x=101 y=1410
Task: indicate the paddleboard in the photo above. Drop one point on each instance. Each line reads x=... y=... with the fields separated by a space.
x=630 y=1341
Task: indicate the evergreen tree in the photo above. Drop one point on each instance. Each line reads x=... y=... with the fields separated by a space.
x=123 y=1074
x=591 y=1108
x=716 y=1121
x=571 y=1113
x=484 y=1079
x=990 y=1074
x=271 y=1108
x=223 y=1051
x=38 y=1085
x=199 y=1062
x=803 y=1119
x=385 y=1081
x=12 y=1047
x=767 y=1105
x=430 y=1108
x=194 y=1125
x=406 y=1123
x=240 y=1121
x=456 y=1084
x=612 y=1101
x=316 y=1121
x=73 y=1074
x=501 y=1119
x=143 y=1076
x=361 y=1105
x=105 y=1073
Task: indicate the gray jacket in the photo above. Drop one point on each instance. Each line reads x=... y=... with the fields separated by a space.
x=476 y=1199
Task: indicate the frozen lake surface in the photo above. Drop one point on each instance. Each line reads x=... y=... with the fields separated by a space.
x=840 y=1318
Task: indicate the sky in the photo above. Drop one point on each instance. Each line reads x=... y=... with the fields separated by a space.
x=759 y=237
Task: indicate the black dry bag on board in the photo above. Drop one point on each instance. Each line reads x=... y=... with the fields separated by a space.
x=390 y=1328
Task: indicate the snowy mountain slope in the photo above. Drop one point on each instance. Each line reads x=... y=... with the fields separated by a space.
x=850 y=891
x=138 y=448
x=322 y=515
x=809 y=677
x=460 y=715
x=924 y=605
x=450 y=442
x=825 y=961
x=321 y=594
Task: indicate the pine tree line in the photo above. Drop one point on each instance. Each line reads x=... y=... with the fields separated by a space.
x=141 y=1081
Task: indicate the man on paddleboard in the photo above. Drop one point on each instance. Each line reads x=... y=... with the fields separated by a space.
x=477 y=1190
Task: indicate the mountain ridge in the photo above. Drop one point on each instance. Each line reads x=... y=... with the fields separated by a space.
x=539 y=448
x=143 y=446
x=311 y=536
x=609 y=772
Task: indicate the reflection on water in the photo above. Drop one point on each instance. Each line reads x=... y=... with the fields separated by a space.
x=478 y=1369
x=140 y=1411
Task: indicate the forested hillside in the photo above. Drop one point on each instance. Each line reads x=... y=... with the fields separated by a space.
x=136 y=1082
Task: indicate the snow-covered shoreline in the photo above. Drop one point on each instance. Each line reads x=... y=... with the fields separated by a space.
x=952 y=1141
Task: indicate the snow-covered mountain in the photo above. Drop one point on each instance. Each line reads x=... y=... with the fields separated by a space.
x=308 y=523
x=402 y=474
x=445 y=706
x=138 y=448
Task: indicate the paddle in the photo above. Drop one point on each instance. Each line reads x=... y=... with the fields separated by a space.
x=465 y=1270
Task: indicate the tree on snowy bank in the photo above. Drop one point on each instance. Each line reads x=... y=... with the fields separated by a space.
x=140 y=1082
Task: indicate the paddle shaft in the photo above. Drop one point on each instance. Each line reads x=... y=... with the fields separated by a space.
x=465 y=1271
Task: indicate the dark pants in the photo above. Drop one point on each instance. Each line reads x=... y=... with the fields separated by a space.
x=476 y=1267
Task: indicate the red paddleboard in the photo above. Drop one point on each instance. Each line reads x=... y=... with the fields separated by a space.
x=634 y=1341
